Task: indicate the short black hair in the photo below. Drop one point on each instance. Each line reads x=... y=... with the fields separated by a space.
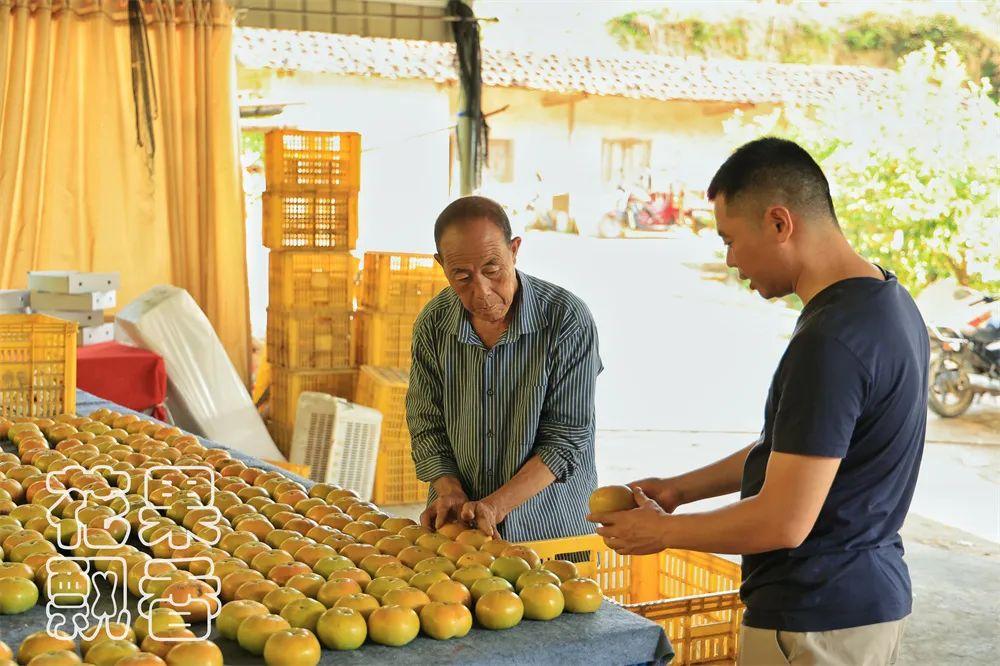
x=778 y=166
x=469 y=208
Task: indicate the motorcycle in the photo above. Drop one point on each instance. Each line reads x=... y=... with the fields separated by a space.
x=545 y=218
x=639 y=210
x=539 y=213
x=965 y=364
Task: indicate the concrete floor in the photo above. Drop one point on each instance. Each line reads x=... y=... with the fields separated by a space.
x=956 y=596
x=688 y=357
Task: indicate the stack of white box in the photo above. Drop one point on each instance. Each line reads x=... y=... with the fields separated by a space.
x=79 y=297
x=14 y=301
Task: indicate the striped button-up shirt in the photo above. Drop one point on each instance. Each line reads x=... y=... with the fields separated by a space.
x=479 y=414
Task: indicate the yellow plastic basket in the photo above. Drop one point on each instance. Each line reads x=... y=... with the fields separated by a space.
x=310 y=220
x=287 y=385
x=384 y=339
x=310 y=339
x=400 y=283
x=303 y=161
x=281 y=433
x=37 y=366
x=305 y=279
x=384 y=389
x=301 y=470
x=396 y=480
x=703 y=629
x=693 y=596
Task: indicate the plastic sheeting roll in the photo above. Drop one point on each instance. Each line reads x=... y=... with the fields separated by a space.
x=204 y=392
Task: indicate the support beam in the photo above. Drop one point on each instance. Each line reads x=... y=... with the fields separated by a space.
x=724 y=108
x=558 y=99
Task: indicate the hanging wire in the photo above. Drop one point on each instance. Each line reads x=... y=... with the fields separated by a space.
x=465 y=29
x=143 y=86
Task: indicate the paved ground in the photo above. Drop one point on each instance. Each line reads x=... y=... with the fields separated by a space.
x=688 y=357
x=956 y=596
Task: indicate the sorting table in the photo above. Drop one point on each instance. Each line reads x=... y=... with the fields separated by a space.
x=612 y=635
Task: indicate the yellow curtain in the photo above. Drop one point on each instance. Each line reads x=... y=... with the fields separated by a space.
x=83 y=186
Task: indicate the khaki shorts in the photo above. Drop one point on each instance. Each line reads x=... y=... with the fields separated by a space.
x=870 y=645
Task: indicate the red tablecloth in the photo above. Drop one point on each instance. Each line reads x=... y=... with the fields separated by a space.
x=134 y=378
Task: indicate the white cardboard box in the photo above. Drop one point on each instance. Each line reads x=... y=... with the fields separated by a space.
x=97 y=300
x=83 y=317
x=14 y=300
x=92 y=335
x=72 y=282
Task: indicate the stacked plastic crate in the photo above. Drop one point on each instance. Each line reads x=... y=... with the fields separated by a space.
x=394 y=289
x=310 y=213
x=37 y=366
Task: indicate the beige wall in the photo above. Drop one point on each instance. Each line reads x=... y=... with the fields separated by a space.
x=563 y=141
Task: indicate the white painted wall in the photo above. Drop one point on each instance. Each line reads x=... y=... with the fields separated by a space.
x=688 y=143
x=404 y=159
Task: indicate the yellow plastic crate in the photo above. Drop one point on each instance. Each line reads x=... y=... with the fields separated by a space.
x=287 y=385
x=281 y=433
x=317 y=339
x=37 y=366
x=305 y=279
x=400 y=283
x=384 y=338
x=703 y=629
x=301 y=470
x=304 y=220
x=384 y=389
x=396 y=480
x=693 y=596
x=297 y=160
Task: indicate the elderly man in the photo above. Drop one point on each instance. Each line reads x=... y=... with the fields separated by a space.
x=501 y=399
x=825 y=488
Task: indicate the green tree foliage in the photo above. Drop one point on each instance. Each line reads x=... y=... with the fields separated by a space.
x=894 y=37
x=870 y=38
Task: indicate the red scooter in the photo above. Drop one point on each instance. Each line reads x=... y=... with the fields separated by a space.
x=639 y=210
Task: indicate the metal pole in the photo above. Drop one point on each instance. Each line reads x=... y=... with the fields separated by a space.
x=469 y=97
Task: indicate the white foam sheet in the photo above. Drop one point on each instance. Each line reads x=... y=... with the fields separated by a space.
x=204 y=393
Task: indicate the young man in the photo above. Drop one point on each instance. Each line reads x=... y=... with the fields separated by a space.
x=501 y=399
x=825 y=488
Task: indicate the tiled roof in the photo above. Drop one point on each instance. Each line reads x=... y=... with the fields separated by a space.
x=634 y=76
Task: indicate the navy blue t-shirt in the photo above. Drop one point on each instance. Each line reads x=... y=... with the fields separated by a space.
x=852 y=384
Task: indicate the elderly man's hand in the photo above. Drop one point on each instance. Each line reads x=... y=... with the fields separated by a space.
x=639 y=531
x=484 y=515
x=445 y=509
